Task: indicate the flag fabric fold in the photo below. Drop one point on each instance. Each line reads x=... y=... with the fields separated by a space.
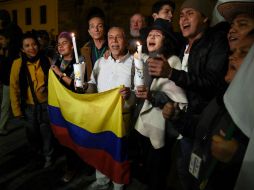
x=92 y=126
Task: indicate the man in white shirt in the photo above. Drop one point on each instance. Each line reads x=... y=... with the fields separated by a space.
x=110 y=73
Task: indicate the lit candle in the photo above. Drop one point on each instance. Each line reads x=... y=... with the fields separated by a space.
x=139 y=73
x=74 y=47
x=139 y=50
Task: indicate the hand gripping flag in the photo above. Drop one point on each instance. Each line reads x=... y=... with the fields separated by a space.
x=92 y=126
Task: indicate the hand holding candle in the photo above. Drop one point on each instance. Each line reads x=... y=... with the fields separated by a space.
x=74 y=47
x=79 y=68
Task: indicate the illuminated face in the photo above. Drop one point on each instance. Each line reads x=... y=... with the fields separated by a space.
x=154 y=40
x=64 y=47
x=96 y=28
x=30 y=47
x=240 y=27
x=191 y=22
x=116 y=42
x=238 y=53
x=136 y=23
x=166 y=13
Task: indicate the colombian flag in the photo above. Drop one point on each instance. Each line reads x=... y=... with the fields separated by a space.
x=92 y=126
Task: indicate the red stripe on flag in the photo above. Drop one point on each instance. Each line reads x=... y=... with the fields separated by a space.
x=100 y=159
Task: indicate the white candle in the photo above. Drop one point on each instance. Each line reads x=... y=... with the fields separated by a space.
x=139 y=49
x=74 y=47
x=139 y=75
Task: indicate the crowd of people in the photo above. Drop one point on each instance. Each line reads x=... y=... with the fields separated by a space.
x=184 y=131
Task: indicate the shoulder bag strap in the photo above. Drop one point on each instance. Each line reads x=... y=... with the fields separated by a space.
x=30 y=82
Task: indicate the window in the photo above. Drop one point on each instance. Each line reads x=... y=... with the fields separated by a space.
x=43 y=14
x=28 y=15
x=15 y=16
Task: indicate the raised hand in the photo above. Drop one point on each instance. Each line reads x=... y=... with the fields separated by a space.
x=222 y=149
x=125 y=92
x=159 y=67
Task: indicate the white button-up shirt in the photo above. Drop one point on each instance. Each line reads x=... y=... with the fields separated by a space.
x=110 y=73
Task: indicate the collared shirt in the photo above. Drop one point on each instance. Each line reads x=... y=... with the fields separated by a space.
x=38 y=79
x=110 y=73
x=185 y=60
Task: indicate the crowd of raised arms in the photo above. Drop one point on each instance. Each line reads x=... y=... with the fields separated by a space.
x=189 y=118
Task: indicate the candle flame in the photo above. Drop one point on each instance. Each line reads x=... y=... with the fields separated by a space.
x=138 y=43
x=72 y=34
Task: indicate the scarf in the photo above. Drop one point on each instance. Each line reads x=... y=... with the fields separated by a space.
x=23 y=73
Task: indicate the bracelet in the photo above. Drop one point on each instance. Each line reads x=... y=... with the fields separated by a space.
x=62 y=75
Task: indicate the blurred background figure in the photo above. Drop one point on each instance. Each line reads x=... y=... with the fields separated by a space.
x=10 y=36
x=5 y=67
x=137 y=22
x=44 y=40
x=163 y=9
x=13 y=30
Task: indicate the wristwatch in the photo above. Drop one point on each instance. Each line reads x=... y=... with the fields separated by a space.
x=63 y=75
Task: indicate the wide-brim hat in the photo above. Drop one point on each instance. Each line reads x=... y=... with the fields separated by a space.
x=229 y=10
x=164 y=26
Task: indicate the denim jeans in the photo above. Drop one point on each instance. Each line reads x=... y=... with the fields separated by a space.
x=185 y=148
x=38 y=129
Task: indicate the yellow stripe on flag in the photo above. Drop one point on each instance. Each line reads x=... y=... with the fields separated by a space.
x=95 y=113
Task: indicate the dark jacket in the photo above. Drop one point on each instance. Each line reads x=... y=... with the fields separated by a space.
x=88 y=52
x=207 y=66
x=69 y=71
x=14 y=34
x=5 y=69
x=215 y=118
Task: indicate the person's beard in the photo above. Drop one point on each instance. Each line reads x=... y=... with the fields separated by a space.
x=134 y=33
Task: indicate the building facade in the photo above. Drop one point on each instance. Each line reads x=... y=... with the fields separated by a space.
x=33 y=14
x=70 y=15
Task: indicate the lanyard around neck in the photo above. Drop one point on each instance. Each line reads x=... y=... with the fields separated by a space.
x=97 y=54
x=64 y=64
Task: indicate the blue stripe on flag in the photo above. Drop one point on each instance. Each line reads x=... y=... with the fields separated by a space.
x=106 y=140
